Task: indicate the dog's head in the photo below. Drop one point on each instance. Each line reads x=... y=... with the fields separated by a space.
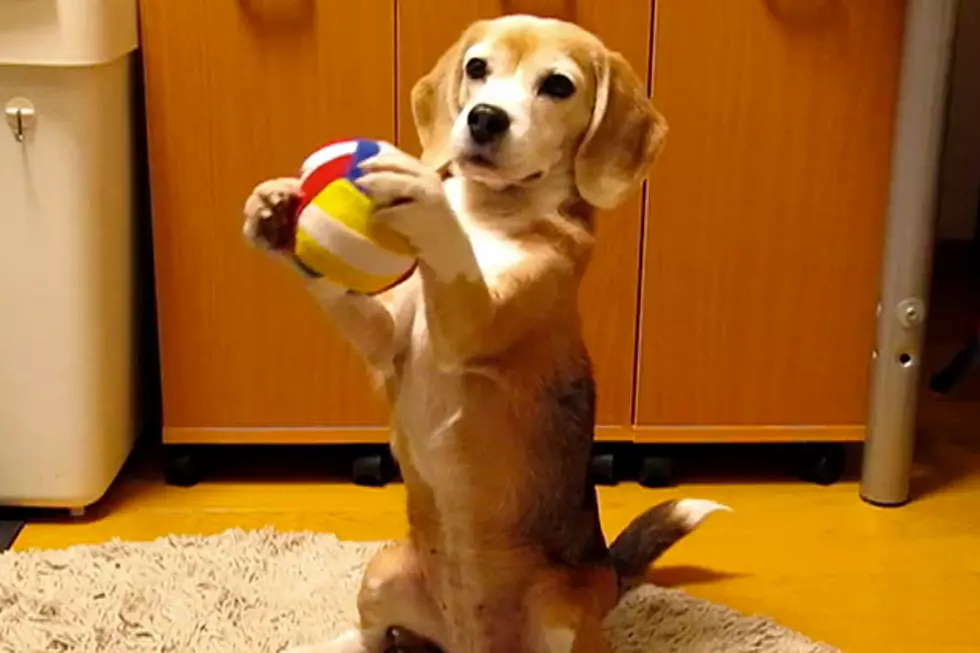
x=520 y=98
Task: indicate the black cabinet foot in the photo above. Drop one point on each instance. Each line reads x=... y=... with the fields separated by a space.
x=603 y=469
x=374 y=470
x=656 y=471
x=183 y=467
x=822 y=464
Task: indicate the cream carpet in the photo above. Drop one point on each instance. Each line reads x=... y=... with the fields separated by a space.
x=260 y=592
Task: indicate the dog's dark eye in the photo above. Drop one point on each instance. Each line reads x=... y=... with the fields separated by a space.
x=556 y=86
x=476 y=68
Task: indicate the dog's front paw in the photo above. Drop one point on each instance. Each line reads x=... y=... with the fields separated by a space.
x=408 y=196
x=270 y=214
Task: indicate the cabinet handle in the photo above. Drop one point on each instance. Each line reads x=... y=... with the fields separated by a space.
x=280 y=14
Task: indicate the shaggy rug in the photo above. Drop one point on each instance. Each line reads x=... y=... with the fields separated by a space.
x=262 y=591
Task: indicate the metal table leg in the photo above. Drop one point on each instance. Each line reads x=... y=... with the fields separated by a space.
x=908 y=250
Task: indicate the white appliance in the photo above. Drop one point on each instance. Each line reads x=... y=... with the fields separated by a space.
x=66 y=231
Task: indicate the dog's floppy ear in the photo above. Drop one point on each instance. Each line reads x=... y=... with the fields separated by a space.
x=623 y=139
x=436 y=103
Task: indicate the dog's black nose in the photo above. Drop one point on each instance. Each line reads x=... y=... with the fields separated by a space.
x=487 y=123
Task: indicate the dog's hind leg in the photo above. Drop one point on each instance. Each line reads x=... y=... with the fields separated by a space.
x=396 y=610
x=565 y=611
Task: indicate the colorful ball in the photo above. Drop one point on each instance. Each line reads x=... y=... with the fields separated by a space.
x=336 y=236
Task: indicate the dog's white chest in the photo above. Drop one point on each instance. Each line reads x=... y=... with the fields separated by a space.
x=494 y=252
x=427 y=406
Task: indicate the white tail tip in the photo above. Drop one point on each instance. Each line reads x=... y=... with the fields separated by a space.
x=694 y=511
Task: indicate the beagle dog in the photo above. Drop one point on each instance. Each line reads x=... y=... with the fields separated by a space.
x=527 y=125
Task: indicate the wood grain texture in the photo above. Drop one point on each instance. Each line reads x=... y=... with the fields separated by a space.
x=239 y=91
x=426 y=28
x=766 y=210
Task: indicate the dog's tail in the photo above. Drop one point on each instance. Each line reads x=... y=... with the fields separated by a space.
x=647 y=537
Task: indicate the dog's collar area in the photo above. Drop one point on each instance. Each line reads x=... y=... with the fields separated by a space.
x=482 y=162
x=504 y=187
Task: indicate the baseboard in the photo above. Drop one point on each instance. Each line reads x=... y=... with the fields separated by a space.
x=275 y=435
x=747 y=434
x=318 y=435
x=638 y=434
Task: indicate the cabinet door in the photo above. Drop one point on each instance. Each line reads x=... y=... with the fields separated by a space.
x=609 y=296
x=239 y=91
x=765 y=216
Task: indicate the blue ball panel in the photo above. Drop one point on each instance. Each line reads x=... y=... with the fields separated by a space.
x=365 y=150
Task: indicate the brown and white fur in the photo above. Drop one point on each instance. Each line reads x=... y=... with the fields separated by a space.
x=480 y=352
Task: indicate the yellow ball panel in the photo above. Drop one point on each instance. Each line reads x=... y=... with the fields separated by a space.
x=337 y=270
x=345 y=203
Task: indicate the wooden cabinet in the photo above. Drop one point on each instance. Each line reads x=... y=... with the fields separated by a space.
x=765 y=217
x=732 y=301
x=238 y=91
